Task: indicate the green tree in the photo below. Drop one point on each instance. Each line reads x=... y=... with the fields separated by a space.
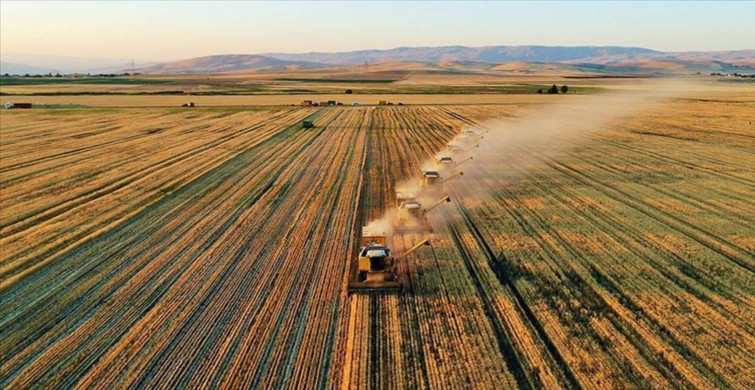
x=349 y=92
x=564 y=89
x=553 y=89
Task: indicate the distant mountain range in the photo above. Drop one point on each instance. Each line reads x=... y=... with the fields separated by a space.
x=226 y=63
x=607 y=59
x=604 y=55
x=611 y=58
x=493 y=54
x=46 y=63
x=14 y=68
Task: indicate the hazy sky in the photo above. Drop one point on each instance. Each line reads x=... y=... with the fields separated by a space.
x=174 y=30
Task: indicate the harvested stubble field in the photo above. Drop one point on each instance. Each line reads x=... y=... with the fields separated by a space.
x=125 y=101
x=169 y=249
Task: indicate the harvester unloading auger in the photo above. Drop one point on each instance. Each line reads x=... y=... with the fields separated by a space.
x=376 y=268
x=465 y=160
x=460 y=173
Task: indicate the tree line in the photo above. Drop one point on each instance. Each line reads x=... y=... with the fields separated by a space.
x=554 y=89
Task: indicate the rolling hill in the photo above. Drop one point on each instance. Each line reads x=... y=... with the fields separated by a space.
x=494 y=54
x=16 y=68
x=599 y=59
x=226 y=63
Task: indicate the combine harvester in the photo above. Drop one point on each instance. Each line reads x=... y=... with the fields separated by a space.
x=411 y=217
x=473 y=133
x=469 y=137
x=376 y=268
x=453 y=148
x=456 y=150
x=446 y=163
x=431 y=183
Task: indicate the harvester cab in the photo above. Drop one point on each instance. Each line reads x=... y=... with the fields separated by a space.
x=376 y=268
x=478 y=132
x=410 y=209
x=404 y=196
x=410 y=218
x=471 y=137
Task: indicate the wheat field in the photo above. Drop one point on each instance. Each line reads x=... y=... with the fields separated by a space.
x=167 y=248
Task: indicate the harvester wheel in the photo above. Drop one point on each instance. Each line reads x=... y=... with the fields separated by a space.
x=362 y=276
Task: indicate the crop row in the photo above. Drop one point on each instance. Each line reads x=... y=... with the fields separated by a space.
x=624 y=261
x=193 y=249
x=211 y=249
x=595 y=249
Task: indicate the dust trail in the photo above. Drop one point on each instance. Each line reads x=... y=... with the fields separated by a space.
x=381 y=226
x=513 y=147
x=500 y=151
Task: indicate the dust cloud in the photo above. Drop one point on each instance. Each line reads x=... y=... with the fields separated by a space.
x=514 y=146
x=380 y=226
x=500 y=151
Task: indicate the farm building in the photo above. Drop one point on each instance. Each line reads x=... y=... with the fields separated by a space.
x=306 y=103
